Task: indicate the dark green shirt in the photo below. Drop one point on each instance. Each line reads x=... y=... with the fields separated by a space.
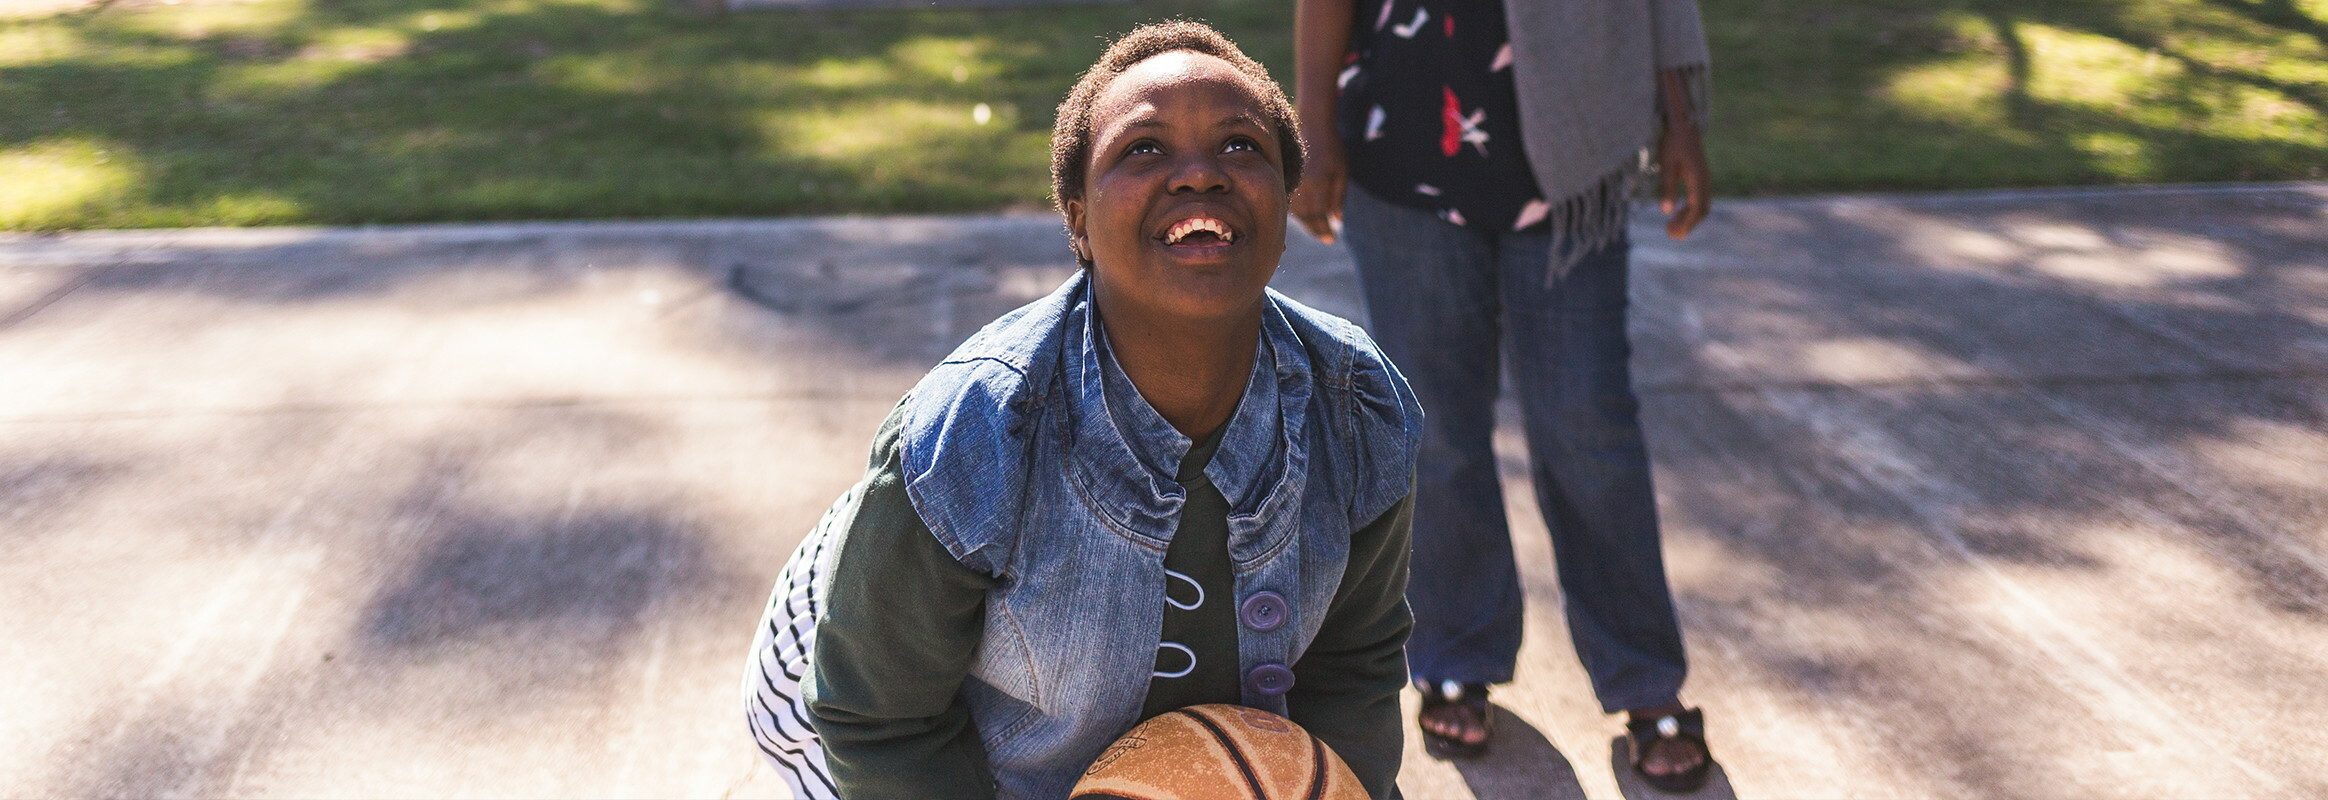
x=1200 y=590
x=903 y=621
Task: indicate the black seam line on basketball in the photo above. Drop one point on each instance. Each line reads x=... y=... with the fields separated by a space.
x=1252 y=781
x=1317 y=790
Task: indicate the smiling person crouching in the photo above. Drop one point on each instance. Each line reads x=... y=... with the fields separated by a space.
x=1162 y=485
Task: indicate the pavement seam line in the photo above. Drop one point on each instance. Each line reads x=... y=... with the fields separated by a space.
x=2001 y=381
x=507 y=405
x=150 y=239
x=1661 y=390
x=44 y=301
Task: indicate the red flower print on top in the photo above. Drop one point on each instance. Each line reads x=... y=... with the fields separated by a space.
x=1451 y=122
x=1416 y=59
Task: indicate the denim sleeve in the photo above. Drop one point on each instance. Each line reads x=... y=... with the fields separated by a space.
x=892 y=648
x=1346 y=686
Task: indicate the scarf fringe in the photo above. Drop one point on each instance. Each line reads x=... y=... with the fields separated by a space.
x=1596 y=217
x=1590 y=220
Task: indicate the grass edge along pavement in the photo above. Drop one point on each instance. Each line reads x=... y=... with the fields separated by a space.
x=163 y=113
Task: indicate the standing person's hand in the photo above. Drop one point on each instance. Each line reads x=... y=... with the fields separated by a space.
x=1317 y=205
x=1321 y=39
x=1684 y=182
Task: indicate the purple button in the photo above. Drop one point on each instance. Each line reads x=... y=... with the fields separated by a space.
x=1264 y=611
x=1269 y=680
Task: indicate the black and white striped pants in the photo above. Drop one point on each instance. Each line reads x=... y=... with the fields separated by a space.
x=774 y=707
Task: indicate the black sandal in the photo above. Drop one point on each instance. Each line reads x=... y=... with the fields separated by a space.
x=1688 y=725
x=1462 y=698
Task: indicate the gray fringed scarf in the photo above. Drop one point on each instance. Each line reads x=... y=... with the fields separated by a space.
x=1586 y=72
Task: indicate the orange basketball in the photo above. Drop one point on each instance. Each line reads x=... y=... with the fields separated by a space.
x=1218 y=752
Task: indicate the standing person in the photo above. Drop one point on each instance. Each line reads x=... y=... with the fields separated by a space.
x=1483 y=152
x=1161 y=486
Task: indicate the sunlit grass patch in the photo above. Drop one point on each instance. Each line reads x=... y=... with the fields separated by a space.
x=260 y=111
x=936 y=149
x=2029 y=83
x=1970 y=93
x=51 y=184
x=247 y=208
x=849 y=74
x=600 y=74
x=202 y=19
x=22 y=45
x=359 y=45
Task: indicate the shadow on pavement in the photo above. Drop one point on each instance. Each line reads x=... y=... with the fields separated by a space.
x=36 y=491
x=1521 y=764
x=487 y=577
x=1717 y=784
x=1947 y=463
x=1979 y=444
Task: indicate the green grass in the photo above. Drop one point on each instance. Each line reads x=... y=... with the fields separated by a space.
x=142 y=113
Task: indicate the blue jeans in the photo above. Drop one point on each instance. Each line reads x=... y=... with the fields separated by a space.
x=1442 y=299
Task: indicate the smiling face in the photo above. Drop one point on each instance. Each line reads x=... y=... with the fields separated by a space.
x=1183 y=210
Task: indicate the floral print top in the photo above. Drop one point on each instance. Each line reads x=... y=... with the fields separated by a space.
x=1428 y=117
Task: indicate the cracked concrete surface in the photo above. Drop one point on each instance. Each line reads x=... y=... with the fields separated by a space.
x=2014 y=494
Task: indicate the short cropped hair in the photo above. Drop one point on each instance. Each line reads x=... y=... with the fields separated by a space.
x=1071 y=135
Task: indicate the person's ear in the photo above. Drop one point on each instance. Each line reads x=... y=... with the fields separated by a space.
x=1077 y=237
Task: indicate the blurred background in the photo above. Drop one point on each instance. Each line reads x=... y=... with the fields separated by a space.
x=142 y=113
x=1988 y=465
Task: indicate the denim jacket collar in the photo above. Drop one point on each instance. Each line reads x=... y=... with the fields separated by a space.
x=1131 y=453
x=1014 y=460
x=976 y=427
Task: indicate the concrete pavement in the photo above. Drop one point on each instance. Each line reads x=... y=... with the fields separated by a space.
x=2014 y=494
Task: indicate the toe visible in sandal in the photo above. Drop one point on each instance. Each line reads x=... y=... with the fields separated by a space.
x=1689 y=725
x=1463 y=704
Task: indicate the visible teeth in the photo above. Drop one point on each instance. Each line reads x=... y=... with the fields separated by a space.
x=1188 y=226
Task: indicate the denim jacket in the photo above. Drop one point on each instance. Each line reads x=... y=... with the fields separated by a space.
x=1018 y=461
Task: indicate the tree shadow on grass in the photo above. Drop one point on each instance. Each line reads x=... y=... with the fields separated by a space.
x=1845 y=491
x=1819 y=78
x=419 y=110
x=2172 y=44
x=2283 y=14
